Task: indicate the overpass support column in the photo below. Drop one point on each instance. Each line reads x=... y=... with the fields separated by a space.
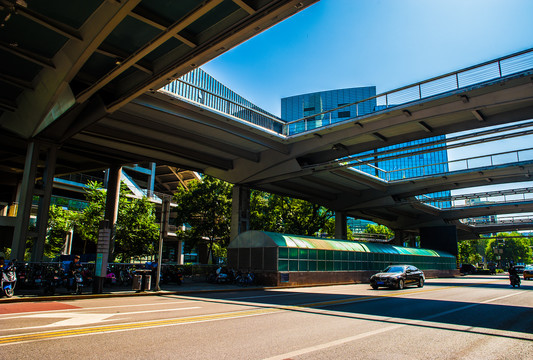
x=439 y=238
x=399 y=237
x=20 y=234
x=28 y=189
x=106 y=231
x=240 y=210
x=341 y=225
x=44 y=203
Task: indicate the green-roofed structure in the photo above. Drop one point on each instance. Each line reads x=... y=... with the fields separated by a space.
x=296 y=259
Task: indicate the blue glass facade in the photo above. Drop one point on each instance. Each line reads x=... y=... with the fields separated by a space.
x=400 y=167
x=304 y=106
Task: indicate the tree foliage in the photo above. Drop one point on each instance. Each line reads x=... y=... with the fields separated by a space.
x=269 y=212
x=89 y=220
x=469 y=252
x=136 y=230
x=206 y=208
x=60 y=222
x=514 y=247
x=378 y=229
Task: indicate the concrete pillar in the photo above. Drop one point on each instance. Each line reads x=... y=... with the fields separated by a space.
x=399 y=237
x=179 y=255
x=106 y=237
x=111 y=204
x=27 y=187
x=163 y=233
x=341 y=225
x=44 y=203
x=240 y=210
x=439 y=238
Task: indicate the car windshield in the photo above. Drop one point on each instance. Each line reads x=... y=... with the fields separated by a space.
x=394 y=269
x=529 y=267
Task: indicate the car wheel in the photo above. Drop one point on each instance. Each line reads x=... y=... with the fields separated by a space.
x=400 y=284
x=374 y=286
x=421 y=282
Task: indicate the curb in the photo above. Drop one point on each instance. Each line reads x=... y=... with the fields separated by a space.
x=152 y=293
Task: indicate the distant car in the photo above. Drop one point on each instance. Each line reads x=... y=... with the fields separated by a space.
x=528 y=272
x=468 y=269
x=519 y=269
x=397 y=277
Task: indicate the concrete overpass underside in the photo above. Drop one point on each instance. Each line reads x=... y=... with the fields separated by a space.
x=99 y=111
x=160 y=127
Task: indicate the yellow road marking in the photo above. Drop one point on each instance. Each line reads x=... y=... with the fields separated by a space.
x=154 y=323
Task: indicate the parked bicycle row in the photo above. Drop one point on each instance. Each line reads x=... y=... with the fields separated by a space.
x=223 y=275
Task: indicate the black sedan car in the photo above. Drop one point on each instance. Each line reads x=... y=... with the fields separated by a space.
x=398 y=276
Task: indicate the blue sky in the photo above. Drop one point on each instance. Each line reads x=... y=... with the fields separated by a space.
x=387 y=43
x=348 y=43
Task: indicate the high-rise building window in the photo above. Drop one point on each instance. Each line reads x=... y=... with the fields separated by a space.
x=343 y=114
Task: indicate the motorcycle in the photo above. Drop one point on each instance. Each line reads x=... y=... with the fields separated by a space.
x=78 y=279
x=514 y=280
x=51 y=280
x=9 y=280
x=247 y=279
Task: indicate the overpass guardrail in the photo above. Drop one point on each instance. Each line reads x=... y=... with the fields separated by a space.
x=482 y=161
x=203 y=90
x=477 y=74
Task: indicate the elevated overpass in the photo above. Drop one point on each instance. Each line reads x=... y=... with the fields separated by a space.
x=318 y=164
x=118 y=118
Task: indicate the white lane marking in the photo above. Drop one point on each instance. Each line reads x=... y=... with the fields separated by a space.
x=12 y=316
x=375 y=332
x=262 y=296
x=200 y=320
x=79 y=319
x=332 y=343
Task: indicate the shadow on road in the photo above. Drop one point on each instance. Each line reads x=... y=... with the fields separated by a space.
x=392 y=306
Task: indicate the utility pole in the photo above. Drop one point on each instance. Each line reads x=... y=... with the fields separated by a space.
x=165 y=214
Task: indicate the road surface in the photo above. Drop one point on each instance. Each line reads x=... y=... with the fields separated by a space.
x=474 y=317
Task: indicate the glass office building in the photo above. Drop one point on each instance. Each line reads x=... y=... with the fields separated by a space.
x=307 y=105
x=394 y=166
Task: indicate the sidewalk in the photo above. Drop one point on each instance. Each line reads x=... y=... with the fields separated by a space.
x=188 y=287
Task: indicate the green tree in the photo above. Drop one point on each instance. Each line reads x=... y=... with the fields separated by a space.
x=378 y=229
x=60 y=222
x=136 y=228
x=329 y=229
x=469 y=252
x=206 y=208
x=270 y=212
x=509 y=247
x=89 y=220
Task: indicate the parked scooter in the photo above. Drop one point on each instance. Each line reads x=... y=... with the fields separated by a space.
x=52 y=280
x=78 y=280
x=8 y=280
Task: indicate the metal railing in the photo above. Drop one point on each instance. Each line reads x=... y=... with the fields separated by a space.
x=491 y=160
x=483 y=198
x=498 y=220
x=81 y=178
x=201 y=89
x=473 y=75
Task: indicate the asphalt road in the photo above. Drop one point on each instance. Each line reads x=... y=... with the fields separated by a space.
x=475 y=317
